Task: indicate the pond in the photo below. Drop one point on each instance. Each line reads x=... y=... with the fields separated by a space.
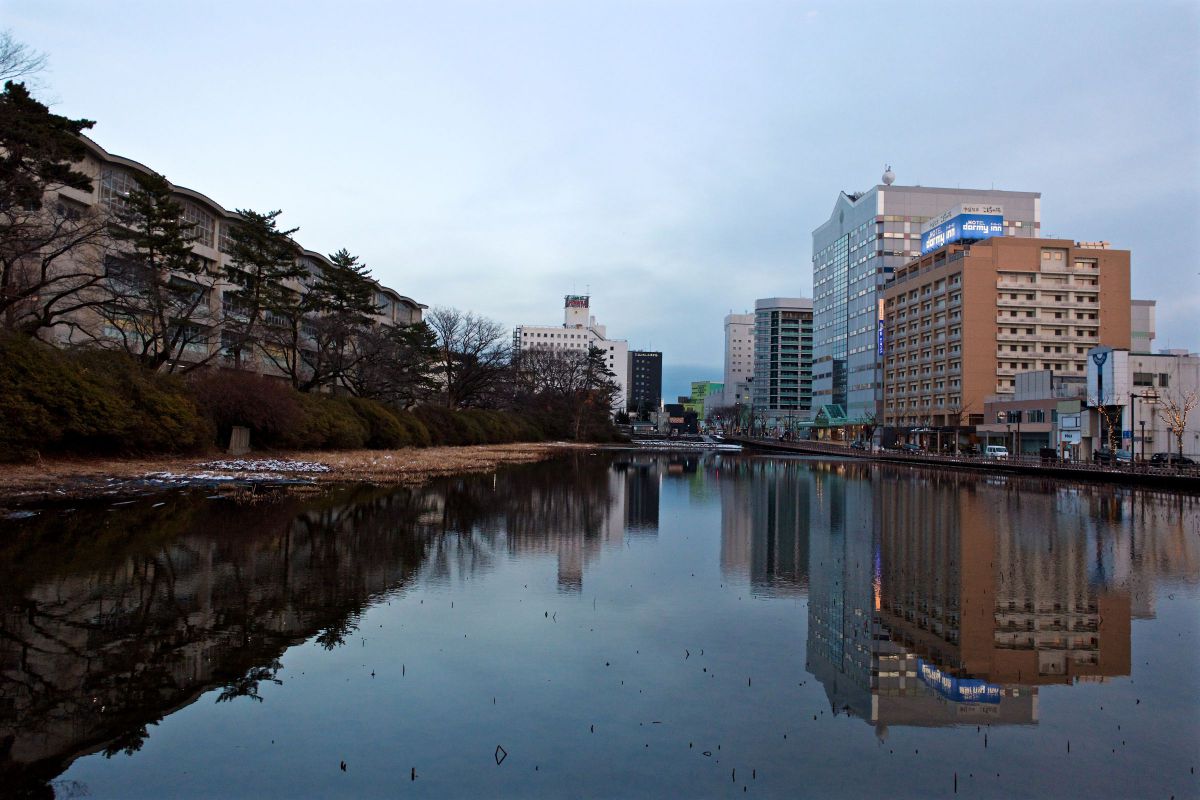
x=610 y=624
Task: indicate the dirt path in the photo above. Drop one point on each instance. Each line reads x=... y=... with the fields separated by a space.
x=77 y=478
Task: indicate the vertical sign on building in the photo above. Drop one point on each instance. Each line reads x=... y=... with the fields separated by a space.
x=879 y=328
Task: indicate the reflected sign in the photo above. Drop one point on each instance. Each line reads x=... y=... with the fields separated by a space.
x=958 y=690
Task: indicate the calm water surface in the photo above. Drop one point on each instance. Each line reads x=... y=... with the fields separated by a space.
x=619 y=625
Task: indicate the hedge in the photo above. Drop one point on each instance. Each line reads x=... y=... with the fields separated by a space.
x=90 y=402
x=94 y=402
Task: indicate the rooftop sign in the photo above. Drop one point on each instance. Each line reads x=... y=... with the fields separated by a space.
x=966 y=221
x=576 y=301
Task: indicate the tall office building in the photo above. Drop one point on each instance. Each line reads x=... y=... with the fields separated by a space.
x=579 y=331
x=644 y=380
x=783 y=358
x=866 y=237
x=739 y=358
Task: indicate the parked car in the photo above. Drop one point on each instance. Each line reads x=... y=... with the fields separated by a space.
x=1106 y=456
x=911 y=448
x=858 y=444
x=997 y=451
x=1171 y=460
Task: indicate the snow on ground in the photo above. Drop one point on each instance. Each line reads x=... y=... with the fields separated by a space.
x=265 y=465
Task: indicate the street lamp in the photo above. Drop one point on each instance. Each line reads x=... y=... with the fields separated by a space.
x=1149 y=396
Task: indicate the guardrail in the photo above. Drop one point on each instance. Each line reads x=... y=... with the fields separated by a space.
x=1181 y=476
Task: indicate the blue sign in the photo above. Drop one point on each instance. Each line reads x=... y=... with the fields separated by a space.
x=962 y=227
x=958 y=690
x=879 y=336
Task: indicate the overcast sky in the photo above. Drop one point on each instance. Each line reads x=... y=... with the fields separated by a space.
x=672 y=158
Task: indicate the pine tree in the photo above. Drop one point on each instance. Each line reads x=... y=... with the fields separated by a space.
x=262 y=261
x=49 y=267
x=160 y=290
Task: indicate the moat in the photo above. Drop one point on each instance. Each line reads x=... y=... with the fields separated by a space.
x=612 y=624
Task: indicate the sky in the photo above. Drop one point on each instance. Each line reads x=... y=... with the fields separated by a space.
x=669 y=158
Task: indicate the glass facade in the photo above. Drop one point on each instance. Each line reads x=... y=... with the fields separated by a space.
x=855 y=253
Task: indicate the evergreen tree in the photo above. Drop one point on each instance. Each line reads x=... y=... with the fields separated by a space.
x=160 y=290
x=49 y=252
x=262 y=262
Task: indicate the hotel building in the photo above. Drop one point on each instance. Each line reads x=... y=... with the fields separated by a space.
x=580 y=331
x=961 y=321
x=867 y=236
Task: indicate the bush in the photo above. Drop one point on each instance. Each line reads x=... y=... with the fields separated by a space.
x=90 y=402
x=269 y=408
x=326 y=423
x=384 y=428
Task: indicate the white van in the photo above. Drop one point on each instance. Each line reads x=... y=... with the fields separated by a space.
x=995 y=451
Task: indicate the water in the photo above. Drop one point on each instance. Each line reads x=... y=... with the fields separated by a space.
x=621 y=625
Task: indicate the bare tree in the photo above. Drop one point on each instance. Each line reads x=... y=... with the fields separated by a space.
x=1174 y=411
x=472 y=356
x=571 y=388
x=1111 y=416
x=18 y=60
x=393 y=365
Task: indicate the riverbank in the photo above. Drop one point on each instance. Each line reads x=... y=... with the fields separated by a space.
x=79 y=478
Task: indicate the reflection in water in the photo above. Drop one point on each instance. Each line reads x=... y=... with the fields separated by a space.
x=932 y=599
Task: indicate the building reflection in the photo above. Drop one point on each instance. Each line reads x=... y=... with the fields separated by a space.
x=944 y=599
x=765 y=518
x=113 y=617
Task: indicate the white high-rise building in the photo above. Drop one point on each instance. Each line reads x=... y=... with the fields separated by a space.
x=580 y=331
x=739 y=358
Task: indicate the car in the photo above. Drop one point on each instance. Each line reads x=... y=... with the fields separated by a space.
x=997 y=451
x=1106 y=456
x=1171 y=460
x=911 y=448
x=858 y=444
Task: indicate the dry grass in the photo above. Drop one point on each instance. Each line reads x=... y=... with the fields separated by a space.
x=76 y=477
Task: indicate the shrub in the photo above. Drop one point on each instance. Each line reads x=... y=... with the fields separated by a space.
x=384 y=428
x=326 y=423
x=269 y=408
x=90 y=402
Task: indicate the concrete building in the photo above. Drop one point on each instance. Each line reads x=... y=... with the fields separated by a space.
x=113 y=179
x=580 y=331
x=962 y=321
x=1131 y=393
x=783 y=334
x=867 y=236
x=1028 y=419
x=706 y=396
x=1142 y=326
x=739 y=358
x=644 y=380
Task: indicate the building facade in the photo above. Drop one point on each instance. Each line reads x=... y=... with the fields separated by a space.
x=783 y=341
x=208 y=338
x=580 y=331
x=961 y=321
x=644 y=380
x=739 y=358
x=1134 y=395
x=867 y=236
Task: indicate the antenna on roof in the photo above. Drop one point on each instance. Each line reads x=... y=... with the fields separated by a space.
x=889 y=177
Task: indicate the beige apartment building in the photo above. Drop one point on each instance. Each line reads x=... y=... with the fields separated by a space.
x=960 y=322
x=113 y=179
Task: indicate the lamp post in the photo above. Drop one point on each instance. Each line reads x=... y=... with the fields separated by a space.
x=1149 y=396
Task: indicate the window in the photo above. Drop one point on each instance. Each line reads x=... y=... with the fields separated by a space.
x=115 y=186
x=202 y=223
